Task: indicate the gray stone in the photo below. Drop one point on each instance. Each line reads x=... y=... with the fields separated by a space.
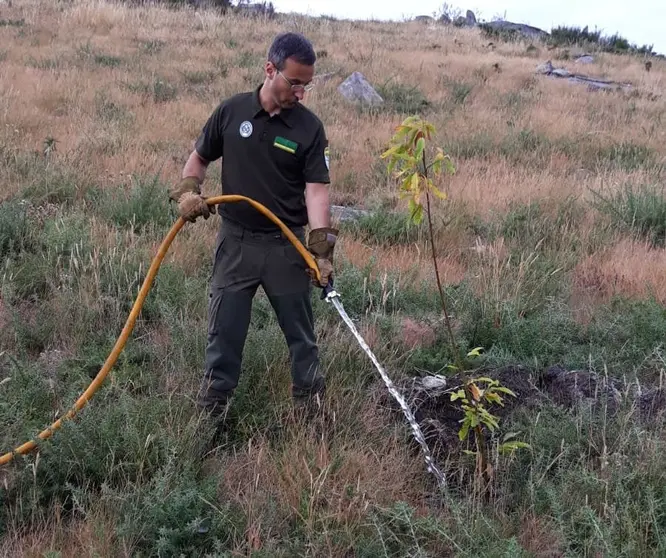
x=593 y=84
x=470 y=18
x=264 y=9
x=433 y=382
x=444 y=19
x=340 y=213
x=585 y=59
x=521 y=28
x=545 y=68
x=424 y=19
x=560 y=72
x=357 y=89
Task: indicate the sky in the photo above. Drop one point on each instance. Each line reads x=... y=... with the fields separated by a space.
x=639 y=21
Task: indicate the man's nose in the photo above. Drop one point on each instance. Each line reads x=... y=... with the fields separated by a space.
x=300 y=93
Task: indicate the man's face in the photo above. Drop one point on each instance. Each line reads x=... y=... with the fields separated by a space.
x=293 y=74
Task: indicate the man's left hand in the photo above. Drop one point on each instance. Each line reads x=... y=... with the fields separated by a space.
x=325 y=267
x=321 y=243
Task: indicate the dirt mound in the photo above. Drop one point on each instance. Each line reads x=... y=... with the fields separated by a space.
x=439 y=418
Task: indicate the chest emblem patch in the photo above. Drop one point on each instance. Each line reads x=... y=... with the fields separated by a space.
x=285 y=144
x=246 y=129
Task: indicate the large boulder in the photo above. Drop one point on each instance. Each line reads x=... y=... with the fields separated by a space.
x=262 y=9
x=528 y=31
x=341 y=213
x=424 y=19
x=357 y=89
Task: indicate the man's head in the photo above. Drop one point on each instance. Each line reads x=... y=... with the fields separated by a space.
x=289 y=69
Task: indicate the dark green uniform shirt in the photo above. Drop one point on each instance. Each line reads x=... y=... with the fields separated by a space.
x=268 y=159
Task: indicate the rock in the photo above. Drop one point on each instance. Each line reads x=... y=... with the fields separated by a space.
x=585 y=59
x=433 y=383
x=357 y=89
x=460 y=21
x=561 y=72
x=470 y=18
x=424 y=19
x=341 y=213
x=517 y=28
x=444 y=19
x=265 y=9
x=593 y=84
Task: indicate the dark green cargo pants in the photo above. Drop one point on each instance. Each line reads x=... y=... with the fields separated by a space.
x=244 y=260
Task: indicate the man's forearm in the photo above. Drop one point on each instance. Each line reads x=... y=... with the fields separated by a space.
x=318 y=206
x=195 y=166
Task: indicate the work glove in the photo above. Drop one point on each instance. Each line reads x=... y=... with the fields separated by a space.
x=321 y=243
x=191 y=204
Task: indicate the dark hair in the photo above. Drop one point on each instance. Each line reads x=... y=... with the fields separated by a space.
x=291 y=45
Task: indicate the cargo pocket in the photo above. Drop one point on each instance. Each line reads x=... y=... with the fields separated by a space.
x=214 y=301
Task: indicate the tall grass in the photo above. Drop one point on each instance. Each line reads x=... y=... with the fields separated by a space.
x=537 y=271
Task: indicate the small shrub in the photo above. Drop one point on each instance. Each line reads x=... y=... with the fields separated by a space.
x=144 y=204
x=403 y=99
x=163 y=91
x=641 y=209
x=14 y=227
x=570 y=36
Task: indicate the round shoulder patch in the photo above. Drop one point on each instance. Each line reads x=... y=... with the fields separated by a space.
x=246 y=129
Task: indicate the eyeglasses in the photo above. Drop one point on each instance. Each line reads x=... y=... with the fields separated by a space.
x=296 y=86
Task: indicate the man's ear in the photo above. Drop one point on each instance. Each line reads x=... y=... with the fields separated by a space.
x=269 y=69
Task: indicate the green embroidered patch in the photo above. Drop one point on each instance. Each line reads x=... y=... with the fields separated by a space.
x=284 y=143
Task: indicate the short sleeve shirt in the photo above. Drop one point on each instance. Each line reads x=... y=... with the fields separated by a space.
x=268 y=159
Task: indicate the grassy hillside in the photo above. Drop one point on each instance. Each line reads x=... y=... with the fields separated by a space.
x=551 y=248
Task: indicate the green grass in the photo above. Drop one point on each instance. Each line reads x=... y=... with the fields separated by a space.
x=639 y=209
x=74 y=257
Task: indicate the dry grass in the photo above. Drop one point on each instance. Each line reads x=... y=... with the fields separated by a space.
x=629 y=267
x=126 y=91
x=407 y=263
x=92 y=536
x=319 y=480
x=59 y=65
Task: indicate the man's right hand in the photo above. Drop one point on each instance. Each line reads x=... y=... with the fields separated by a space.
x=191 y=206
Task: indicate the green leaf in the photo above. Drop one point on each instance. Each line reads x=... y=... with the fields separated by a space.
x=475 y=352
x=484 y=379
x=460 y=394
x=415 y=182
x=512 y=446
x=417 y=216
x=505 y=390
x=464 y=431
x=493 y=397
x=420 y=146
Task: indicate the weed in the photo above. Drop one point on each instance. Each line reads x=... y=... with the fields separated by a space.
x=402 y=99
x=640 y=209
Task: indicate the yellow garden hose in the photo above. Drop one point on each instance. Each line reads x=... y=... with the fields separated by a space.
x=138 y=303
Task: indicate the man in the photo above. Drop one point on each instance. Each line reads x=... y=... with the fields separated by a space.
x=274 y=151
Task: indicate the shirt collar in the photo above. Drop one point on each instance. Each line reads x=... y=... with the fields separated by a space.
x=286 y=115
